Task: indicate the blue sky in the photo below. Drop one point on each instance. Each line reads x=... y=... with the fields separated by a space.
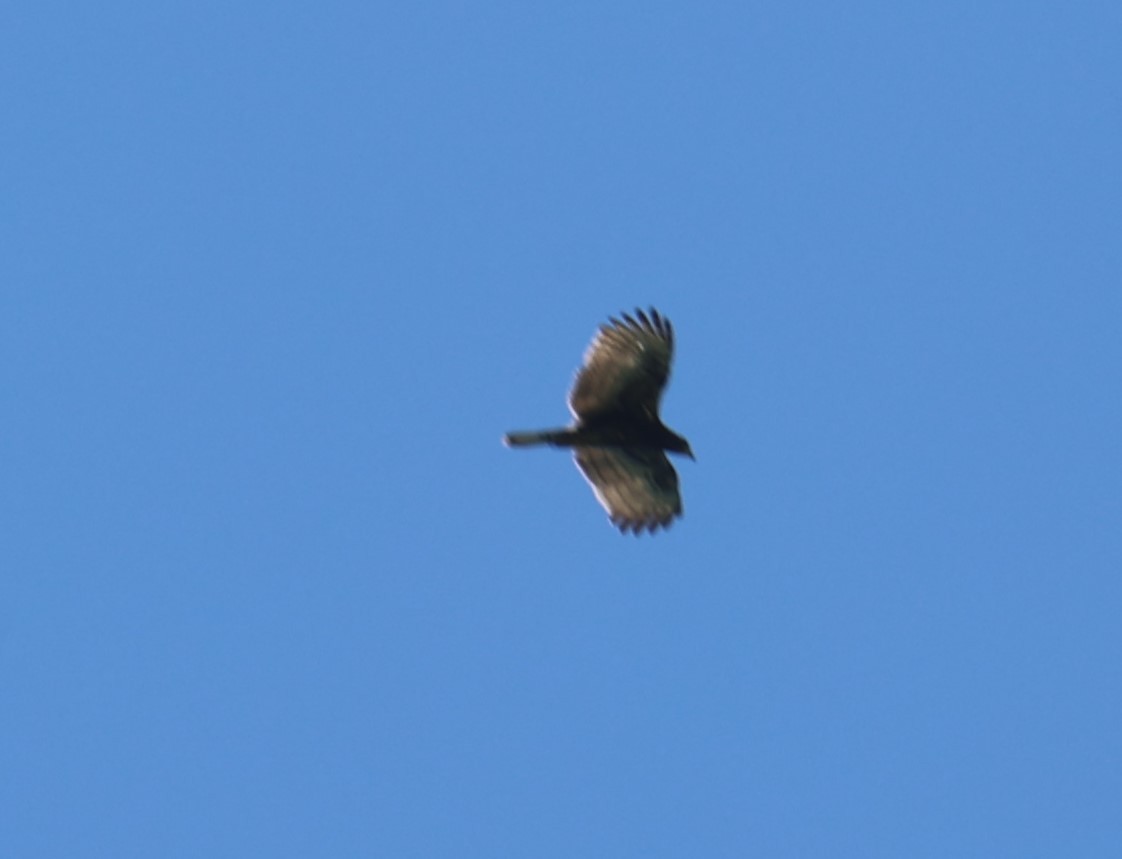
x=276 y=278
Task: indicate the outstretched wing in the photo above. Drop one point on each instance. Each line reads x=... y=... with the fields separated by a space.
x=625 y=367
x=638 y=487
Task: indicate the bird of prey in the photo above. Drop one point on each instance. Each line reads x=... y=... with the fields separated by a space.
x=617 y=438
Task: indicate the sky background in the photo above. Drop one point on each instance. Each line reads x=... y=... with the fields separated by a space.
x=276 y=277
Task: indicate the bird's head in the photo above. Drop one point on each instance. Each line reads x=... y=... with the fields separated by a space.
x=680 y=445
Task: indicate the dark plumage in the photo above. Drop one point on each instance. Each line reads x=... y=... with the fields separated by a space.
x=618 y=440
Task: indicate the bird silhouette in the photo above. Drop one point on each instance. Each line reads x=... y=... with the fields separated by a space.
x=618 y=439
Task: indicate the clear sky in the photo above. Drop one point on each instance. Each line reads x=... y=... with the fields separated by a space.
x=276 y=277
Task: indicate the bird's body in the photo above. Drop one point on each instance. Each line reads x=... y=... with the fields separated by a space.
x=618 y=440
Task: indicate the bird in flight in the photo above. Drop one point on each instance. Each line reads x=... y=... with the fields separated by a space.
x=618 y=440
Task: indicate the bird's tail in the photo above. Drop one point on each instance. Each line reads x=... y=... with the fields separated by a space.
x=526 y=439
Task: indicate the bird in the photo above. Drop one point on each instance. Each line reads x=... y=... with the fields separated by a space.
x=617 y=437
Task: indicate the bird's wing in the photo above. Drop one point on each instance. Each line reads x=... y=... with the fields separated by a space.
x=625 y=368
x=638 y=487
